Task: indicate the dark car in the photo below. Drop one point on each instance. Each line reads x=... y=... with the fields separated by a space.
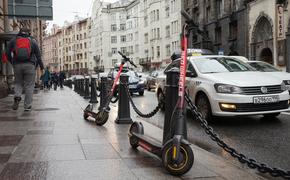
x=136 y=85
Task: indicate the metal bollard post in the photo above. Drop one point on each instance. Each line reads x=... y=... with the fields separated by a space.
x=171 y=98
x=78 y=82
x=75 y=83
x=123 y=104
x=103 y=92
x=93 y=91
x=70 y=84
x=87 y=88
x=82 y=87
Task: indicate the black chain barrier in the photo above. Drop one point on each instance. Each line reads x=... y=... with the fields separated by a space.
x=252 y=163
x=148 y=115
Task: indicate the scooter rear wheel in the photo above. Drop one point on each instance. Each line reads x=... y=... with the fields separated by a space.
x=184 y=163
x=101 y=117
x=136 y=127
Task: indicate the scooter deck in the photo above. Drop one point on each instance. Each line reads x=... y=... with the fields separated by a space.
x=148 y=143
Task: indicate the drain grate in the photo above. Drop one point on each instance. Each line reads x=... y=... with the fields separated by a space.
x=46 y=109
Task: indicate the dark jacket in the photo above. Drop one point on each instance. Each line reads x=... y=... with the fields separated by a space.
x=35 y=52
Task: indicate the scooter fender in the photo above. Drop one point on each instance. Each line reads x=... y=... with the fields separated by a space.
x=139 y=126
x=183 y=141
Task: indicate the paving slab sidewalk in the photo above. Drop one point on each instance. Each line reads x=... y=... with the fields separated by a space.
x=53 y=141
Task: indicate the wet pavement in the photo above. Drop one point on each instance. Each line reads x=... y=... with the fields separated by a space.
x=53 y=141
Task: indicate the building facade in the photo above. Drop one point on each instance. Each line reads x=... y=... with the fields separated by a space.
x=148 y=31
x=68 y=48
x=268 y=31
x=223 y=23
x=50 y=50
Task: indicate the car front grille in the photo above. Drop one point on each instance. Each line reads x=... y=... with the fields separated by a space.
x=257 y=90
x=250 y=107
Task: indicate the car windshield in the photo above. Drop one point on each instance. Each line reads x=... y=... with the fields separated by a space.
x=219 y=65
x=263 y=67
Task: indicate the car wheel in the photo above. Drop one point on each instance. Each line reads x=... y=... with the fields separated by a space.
x=271 y=116
x=160 y=97
x=203 y=106
x=141 y=93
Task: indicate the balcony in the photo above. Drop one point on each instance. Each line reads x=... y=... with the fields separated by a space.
x=145 y=61
x=98 y=69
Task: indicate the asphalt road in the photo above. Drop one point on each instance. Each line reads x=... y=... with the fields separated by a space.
x=267 y=141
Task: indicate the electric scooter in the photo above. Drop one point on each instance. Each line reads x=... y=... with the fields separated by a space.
x=103 y=115
x=176 y=154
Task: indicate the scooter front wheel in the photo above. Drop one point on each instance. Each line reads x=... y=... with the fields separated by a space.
x=183 y=165
x=101 y=117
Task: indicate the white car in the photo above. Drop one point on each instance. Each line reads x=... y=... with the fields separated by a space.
x=270 y=69
x=226 y=86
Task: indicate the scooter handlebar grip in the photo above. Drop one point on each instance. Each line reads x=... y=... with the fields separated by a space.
x=133 y=64
x=187 y=17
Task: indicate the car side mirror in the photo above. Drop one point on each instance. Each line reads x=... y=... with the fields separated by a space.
x=190 y=74
x=140 y=76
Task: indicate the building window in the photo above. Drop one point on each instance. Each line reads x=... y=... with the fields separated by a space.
x=167 y=50
x=113 y=27
x=114 y=61
x=158 y=51
x=158 y=33
x=157 y=15
x=233 y=30
x=85 y=45
x=122 y=27
x=152 y=52
x=218 y=35
x=167 y=31
x=123 y=38
x=85 y=35
x=123 y=50
x=219 y=6
x=85 y=55
x=113 y=39
x=130 y=37
x=146 y=38
x=114 y=50
x=207 y=14
x=145 y=21
x=167 y=12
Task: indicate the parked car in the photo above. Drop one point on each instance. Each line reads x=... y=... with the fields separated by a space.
x=152 y=79
x=143 y=76
x=272 y=70
x=226 y=86
x=136 y=85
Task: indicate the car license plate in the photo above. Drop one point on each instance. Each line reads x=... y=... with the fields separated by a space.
x=265 y=99
x=132 y=86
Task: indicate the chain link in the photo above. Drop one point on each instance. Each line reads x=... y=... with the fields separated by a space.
x=148 y=115
x=251 y=163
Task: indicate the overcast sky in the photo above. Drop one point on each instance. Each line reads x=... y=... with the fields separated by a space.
x=67 y=9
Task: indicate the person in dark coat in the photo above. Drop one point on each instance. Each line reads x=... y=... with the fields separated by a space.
x=62 y=77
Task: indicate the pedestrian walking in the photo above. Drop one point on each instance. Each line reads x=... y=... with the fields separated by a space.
x=24 y=54
x=46 y=77
x=55 y=80
x=62 y=77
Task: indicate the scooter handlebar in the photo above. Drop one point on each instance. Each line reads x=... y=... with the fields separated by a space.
x=189 y=20
x=127 y=59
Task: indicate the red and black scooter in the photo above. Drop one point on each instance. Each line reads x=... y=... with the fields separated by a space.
x=103 y=115
x=177 y=156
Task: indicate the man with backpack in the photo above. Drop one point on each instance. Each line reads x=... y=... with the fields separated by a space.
x=24 y=54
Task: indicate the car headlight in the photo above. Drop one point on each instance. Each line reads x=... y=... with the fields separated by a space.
x=286 y=82
x=283 y=87
x=227 y=89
